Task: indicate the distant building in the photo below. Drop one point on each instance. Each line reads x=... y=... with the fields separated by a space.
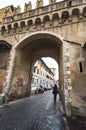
x=54 y=72
x=42 y=75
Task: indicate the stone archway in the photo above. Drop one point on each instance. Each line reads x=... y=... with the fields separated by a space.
x=29 y=49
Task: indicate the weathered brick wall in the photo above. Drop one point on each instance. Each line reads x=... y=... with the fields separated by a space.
x=20 y=77
x=78 y=79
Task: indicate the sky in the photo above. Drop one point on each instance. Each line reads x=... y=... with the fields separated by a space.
x=3 y=3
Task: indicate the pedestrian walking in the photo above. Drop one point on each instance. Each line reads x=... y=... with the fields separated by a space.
x=55 y=91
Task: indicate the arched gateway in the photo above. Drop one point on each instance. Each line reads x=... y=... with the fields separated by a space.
x=27 y=51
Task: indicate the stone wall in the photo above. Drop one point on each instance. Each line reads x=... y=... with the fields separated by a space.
x=78 y=74
x=20 y=77
x=4 y=63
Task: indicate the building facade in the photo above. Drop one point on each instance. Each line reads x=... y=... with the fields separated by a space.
x=42 y=76
x=57 y=30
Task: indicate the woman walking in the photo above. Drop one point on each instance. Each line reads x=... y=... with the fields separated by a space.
x=55 y=91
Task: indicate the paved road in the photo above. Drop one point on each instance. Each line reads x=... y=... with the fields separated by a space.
x=37 y=112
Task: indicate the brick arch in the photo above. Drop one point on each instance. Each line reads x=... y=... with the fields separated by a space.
x=9 y=28
x=4 y=44
x=65 y=16
x=38 y=21
x=22 y=23
x=46 y=18
x=16 y=27
x=75 y=14
x=46 y=21
x=36 y=35
x=32 y=47
x=75 y=11
x=55 y=16
x=29 y=23
x=84 y=10
x=3 y=29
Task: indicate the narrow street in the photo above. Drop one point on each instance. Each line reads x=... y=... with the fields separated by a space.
x=37 y=112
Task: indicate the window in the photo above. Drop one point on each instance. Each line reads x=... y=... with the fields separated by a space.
x=34 y=69
x=37 y=71
x=80 y=65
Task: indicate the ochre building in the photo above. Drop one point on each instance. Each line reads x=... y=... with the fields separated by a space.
x=57 y=30
x=42 y=77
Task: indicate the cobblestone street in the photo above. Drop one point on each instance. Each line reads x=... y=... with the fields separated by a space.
x=37 y=112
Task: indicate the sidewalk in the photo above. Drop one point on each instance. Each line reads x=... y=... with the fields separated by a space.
x=77 y=124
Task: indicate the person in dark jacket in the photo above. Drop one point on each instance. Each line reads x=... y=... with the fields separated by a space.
x=55 y=91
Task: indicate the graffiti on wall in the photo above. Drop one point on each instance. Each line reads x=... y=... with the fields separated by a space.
x=18 y=83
